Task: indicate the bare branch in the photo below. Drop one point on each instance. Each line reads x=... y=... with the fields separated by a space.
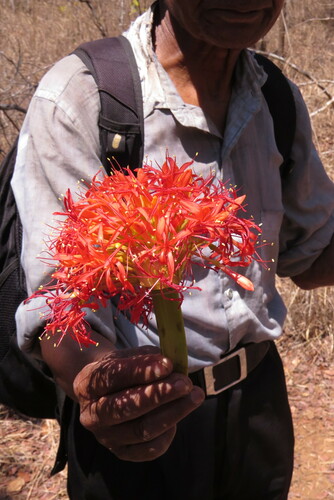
x=12 y=107
x=325 y=106
x=15 y=64
x=297 y=69
x=329 y=152
x=284 y=31
x=314 y=19
x=322 y=80
x=13 y=122
x=95 y=18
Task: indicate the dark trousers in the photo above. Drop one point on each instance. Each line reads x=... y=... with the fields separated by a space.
x=236 y=446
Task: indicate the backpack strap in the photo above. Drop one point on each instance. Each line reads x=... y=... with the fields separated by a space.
x=282 y=107
x=112 y=63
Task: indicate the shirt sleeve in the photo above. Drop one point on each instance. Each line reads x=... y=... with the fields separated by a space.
x=308 y=200
x=58 y=150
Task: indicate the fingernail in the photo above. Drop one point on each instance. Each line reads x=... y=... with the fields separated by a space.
x=197 y=395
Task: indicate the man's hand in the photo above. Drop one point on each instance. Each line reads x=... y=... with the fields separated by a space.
x=132 y=401
x=321 y=273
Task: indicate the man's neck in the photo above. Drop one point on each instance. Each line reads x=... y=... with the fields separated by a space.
x=201 y=73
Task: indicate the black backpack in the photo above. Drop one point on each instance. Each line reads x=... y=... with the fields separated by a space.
x=26 y=384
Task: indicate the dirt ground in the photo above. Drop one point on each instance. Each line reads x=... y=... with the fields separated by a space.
x=310 y=379
x=28 y=446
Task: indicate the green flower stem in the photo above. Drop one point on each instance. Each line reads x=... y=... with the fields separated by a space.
x=171 y=328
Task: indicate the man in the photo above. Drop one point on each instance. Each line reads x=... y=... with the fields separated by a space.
x=146 y=432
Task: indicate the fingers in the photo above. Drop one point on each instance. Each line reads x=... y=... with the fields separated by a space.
x=121 y=370
x=134 y=402
x=149 y=436
x=148 y=451
x=151 y=425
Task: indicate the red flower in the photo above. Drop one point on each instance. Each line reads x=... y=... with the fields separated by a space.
x=129 y=235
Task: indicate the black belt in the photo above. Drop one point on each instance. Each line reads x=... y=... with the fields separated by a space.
x=231 y=369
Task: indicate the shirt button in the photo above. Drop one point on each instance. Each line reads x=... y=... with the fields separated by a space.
x=229 y=293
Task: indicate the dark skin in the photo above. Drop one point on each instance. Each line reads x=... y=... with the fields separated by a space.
x=187 y=65
x=131 y=399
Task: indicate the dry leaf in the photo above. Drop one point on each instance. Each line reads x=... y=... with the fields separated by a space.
x=15 y=485
x=26 y=476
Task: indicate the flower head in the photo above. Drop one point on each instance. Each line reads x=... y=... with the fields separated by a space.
x=129 y=235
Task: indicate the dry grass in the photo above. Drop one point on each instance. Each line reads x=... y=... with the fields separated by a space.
x=310 y=379
x=28 y=449
x=34 y=34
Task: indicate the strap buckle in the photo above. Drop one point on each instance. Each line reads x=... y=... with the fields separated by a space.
x=209 y=373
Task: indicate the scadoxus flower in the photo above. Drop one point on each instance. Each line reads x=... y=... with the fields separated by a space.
x=130 y=234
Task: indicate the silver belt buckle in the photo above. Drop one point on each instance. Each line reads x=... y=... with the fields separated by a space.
x=209 y=376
